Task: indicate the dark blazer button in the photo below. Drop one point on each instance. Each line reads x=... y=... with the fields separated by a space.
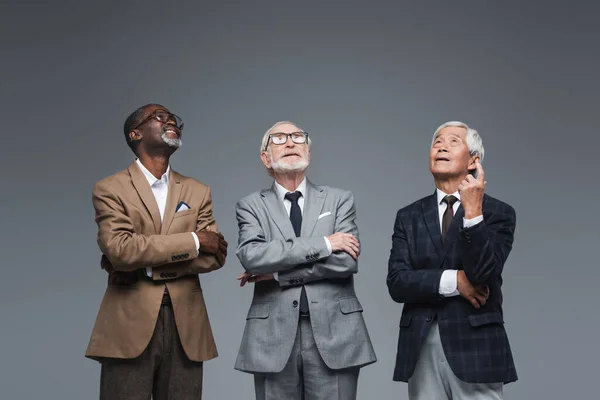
x=300 y=280
x=162 y=275
x=295 y=303
x=428 y=319
x=186 y=255
x=173 y=258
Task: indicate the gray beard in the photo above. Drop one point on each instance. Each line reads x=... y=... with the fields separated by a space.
x=298 y=166
x=175 y=143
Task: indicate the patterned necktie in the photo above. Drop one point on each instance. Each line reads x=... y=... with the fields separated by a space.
x=296 y=219
x=448 y=214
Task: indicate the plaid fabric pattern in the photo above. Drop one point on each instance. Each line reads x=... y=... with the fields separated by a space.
x=474 y=341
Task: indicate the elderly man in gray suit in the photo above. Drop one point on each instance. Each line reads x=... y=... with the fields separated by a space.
x=305 y=336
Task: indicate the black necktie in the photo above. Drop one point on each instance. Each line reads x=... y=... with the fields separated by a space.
x=448 y=214
x=296 y=219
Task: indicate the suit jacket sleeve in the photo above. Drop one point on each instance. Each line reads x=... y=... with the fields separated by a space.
x=205 y=262
x=127 y=250
x=405 y=283
x=486 y=246
x=261 y=257
x=336 y=265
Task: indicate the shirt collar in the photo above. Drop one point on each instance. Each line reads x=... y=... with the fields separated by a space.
x=151 y=178
x=281 y=191
x=441 y=195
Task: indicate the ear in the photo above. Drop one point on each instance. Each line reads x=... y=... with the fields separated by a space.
x=135 y=135
x=472 y=163
x=266 y=160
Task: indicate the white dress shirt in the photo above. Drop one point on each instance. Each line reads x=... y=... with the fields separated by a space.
x=448 y=279
x=160 y=189
x=281 y=192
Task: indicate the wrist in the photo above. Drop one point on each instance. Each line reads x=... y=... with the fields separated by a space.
x=473 y=213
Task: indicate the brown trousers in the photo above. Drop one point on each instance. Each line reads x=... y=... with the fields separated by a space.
x=162 y=371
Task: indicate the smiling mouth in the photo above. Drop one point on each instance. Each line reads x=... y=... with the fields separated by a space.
x=172 y=129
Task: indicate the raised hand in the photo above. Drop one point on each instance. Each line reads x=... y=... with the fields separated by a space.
x=471 y=191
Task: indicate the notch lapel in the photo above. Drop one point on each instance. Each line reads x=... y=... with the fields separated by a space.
x=143 y=189
x=313 y=204
x=277 y=212
x=432 y=221
x=172 y=201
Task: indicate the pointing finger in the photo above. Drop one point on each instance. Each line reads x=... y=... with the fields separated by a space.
x=480 y=173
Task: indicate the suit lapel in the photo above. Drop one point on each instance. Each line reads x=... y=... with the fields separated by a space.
x=172 y=201
x=453 y=229
x=143 y=189
x=432 y=220
x=277 y=212
x=313 y=204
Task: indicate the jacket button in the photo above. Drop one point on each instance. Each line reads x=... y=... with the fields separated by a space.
x=173 y=258
x=162 y=275
x=428 y=319
x=295 y=303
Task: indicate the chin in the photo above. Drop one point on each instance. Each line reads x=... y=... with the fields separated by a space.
x=297 y=166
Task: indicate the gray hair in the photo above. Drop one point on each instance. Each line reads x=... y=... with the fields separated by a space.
x=474 y=142
x=265 y=138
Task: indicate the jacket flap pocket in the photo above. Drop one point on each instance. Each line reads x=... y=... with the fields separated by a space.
x=405 y=320
x=485 y=319
x=258 y=311
x=349 y=305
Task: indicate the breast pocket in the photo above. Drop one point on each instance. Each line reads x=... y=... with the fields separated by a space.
x=184 y=221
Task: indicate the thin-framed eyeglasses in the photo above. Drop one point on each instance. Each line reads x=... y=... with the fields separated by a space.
x=164 y=117
x=280 y=138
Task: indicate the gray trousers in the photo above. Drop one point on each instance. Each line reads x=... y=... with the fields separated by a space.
x=162 y=371
x=433 y=378
x=305 y=375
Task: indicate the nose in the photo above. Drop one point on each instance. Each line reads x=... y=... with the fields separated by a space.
x=289 y=142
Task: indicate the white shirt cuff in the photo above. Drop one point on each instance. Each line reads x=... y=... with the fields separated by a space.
x=467 y=223
x=197 y=243
x=276 y=276
x=448 y=283
x=328 y=246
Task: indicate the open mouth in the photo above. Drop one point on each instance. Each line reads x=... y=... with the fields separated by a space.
x=291 y=155
x=442 y=158
x=172 y=130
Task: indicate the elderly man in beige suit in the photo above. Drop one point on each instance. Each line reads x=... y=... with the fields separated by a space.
x=156 y=233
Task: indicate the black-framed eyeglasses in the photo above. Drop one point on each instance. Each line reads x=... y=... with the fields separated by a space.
x=164 y=117
x=282 y=138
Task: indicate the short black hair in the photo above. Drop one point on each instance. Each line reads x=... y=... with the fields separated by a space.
x=133 y=120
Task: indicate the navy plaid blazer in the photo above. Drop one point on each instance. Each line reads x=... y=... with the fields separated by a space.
x=474 y=340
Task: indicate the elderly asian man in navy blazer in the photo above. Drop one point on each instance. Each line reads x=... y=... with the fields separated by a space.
x=446 y=264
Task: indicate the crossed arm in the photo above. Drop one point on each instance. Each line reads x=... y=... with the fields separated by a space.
x=484 y=249
x=297 y=260
x=127 y=250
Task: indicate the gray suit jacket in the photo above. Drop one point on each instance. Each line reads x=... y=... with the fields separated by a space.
x=267 y=244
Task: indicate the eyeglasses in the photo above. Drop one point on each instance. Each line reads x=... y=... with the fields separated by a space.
x=282 y=138
x=164 y=117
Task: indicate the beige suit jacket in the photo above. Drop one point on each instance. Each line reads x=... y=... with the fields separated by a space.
x=131 y=238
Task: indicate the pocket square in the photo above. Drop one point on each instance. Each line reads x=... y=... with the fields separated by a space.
x=324 y=215
x=182 y=206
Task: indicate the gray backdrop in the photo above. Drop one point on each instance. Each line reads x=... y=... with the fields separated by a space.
x=370 y=83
